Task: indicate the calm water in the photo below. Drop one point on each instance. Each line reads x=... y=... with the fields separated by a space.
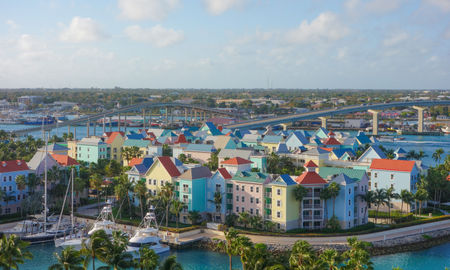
x=436 y=258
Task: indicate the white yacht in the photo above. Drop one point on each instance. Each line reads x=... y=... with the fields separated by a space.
x=147 y=236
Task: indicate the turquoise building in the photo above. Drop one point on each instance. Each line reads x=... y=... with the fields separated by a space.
x=92 y=149
x=193 y=181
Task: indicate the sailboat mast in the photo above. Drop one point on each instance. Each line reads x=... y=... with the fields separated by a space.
x=72 y=198
x=45 y=185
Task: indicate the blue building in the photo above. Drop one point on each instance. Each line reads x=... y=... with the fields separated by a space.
x=217 y=183
x=14 y=194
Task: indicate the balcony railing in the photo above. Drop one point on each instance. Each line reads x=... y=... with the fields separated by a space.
x=309 y=194
x=318 y=205
x=186 y=190
x=307 y=205
x=317 y=216
x=308 y=217
x=268 y=217
x=187 y=201
x=229 y=190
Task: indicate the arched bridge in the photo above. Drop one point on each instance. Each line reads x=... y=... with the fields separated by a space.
x=330 y=112
x=191 y=109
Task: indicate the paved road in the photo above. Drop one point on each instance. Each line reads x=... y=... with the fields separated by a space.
x=372 y=237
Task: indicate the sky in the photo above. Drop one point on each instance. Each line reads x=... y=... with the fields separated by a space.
x=309 y=44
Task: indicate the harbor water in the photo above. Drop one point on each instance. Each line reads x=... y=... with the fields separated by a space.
x=436 y=258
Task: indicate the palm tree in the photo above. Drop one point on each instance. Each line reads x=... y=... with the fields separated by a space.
x=21 y=182
x=256 y=222
x=421 y=195
x=94 y=248
x=32 y=182
x=13 y=252
x=170 y=264
x=244 y=219
x=405 y=197
x=380 y=199
x=357 y=257
x=437 y=155
x=69 y=259
x=411 y=154
x=141 y=190
x=299 y=193
x=331 y=259
x=229 y=245
x=325 y=196
x=96 y=183
x=167 y=194
x=194 y=216
x=390 y=194
x=115 y=252
x=269 y=225
x=176 y=208
x=148 y=259
x=301 y=255
x=217 y=201
x=369 y=198
x=421 y=155
x=334 y=189
x=243 y=249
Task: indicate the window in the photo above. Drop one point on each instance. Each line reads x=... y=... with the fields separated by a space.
x=257 y=201
x=376 y=185
x=4 y=178
x=237 y=209
x=349 y=224
x=257 y=189
x=237 y=198
x=278 y=191
x=349 y=191
x=251 y=200
x=278 y=214
x=162 y=182
x=242 y=188
x=237 y=187
x=349 y=202
x=251 y=211
x=392 y=176
x=10 y=188
x=257 y=212
x=349 y=213
x=392 y=185
x=154 y=192
x=278 y=203
x=242 y=209
x=243 y=199
x=18 y=197
x=10 y=178
x=375 y=175
x=115 y=150
x=251 y=189
x=154 y=182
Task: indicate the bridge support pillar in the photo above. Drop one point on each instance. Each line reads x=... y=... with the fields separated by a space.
x=171 y=116
x=125 y=123
x=374 y=121
x=167 y=116
x=118 y=123
x=286 y=126
x=110 y=124
x=420 y=117
x=68 y=131
x=143 y=119
x=185 y=115
x=87 y=128
x=75 y=133
x=95 y=128
x=104 y=124
x=324 y=121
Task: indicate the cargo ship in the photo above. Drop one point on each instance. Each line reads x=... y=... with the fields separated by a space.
x=43 y=120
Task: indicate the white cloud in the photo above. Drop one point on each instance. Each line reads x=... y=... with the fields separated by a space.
x=167 y=64
x=158 y=36
x=395 y=39
x=217 y=7
x=325 y=27
x=342 y=53
x=443 y=5
x=155 y=10
x=82 y=30
x=31 y=49
x=12 y=24
x=383 y=6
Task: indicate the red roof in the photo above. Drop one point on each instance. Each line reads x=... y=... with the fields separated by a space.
x=326 y=149
x=331 y=141
x=13 y=166
x=236 y=161
x=112 y=136
x=310 y=178
x=448 y=177
x=65 y=160
x=135 y=161
x=225 y=174
x=331 y=133
x=392 y=165
x=181 y=139
x=310 y=164
x=169 y=166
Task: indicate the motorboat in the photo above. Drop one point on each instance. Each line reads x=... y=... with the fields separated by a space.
x=446 y=130
x=146 y=235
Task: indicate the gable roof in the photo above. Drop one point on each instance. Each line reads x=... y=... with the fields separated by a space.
x=282 y=148
x=284 y=179
x=310 y=164
x=236 y=161
x=181 y=139
x=137 y=143
x=254 y=177
x=65 y=160
x=392 y=165
x=225 y=174
x=272 y=139
x=331 y=141
x=200 y=148
x=196 y=173
x=354 y=174
x=343 y=179
x=111 y=136
x=231 y=153
x=374 y=148
x=310 y=178
x=169 y=165
x=135 y=136
x=253 y=138
x=135 y=161
x=54 y=147
x=299 y=136
x=13 y=166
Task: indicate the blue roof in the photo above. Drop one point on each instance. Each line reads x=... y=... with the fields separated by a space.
x=271 y=139
x=282 y=149
x=322 y=133
x=213 y=129
x=339 y=152
x=302 y=148
x=144 y=166
x=241 y=145
x=287 y=179
x=363 y=139
x=343 y=179
x=200 y=148
x=379 y=152
x=300 y=136
x=138 y=143
x=283 y=133
x=400 y=151
x=135 y=136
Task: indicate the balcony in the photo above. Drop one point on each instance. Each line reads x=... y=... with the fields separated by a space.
x=186 y=190
x=186 y=201
x=268 y=194
x=317 y=216
x=307 y=206
x=307 y=217
x=309 y=194
x=230 y=201
x=229 y=190
x=269 y=217
x=318 y=205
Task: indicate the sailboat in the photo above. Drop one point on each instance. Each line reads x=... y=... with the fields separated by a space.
x=146 y=235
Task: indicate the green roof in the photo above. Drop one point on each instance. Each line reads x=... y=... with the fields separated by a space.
x=255 y=177
x=138 y=143
x=354 y=174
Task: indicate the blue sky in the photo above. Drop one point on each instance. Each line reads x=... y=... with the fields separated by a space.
x=372 y=44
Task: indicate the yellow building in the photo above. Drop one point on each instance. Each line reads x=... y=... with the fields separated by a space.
x=141 y=144
x=162 y=171
x=285 y=209
x=270 y=142
x=72 y=152
x=115 y=141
